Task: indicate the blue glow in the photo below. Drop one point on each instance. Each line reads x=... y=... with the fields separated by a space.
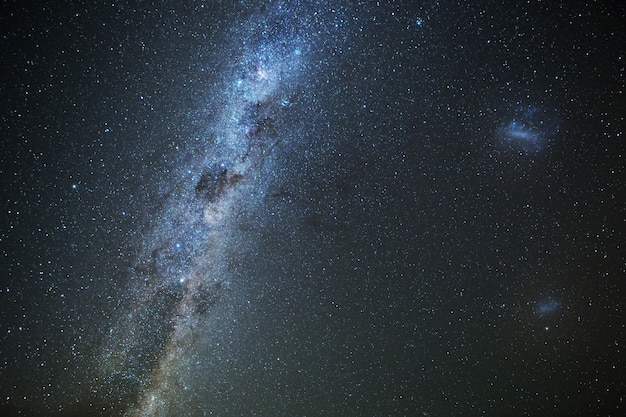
x=529 y=130
x=548 y=306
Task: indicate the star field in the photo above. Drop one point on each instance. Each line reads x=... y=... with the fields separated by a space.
x=303 y=208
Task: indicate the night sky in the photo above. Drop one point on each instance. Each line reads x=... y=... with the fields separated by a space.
x=312 y=208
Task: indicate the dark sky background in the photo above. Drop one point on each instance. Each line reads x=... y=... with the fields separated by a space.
x=429 y=218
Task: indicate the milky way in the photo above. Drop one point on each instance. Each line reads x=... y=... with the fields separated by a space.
x=182 y=270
